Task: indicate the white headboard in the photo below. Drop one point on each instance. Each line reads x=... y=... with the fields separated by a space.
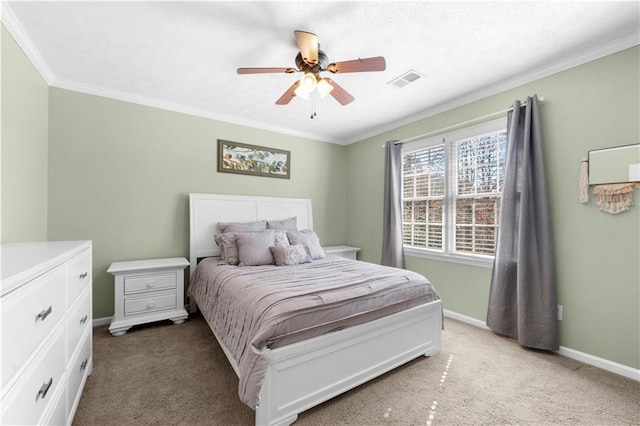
x=206 y=210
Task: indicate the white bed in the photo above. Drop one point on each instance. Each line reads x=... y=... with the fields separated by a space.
x=307 y=373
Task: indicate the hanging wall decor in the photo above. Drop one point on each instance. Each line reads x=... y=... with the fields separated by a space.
x=235 y=157
x=614 y=174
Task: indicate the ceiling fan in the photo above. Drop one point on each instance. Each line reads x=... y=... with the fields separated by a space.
x=312 y=61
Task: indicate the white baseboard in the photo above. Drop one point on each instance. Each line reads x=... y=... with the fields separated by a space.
x=465 y=319
x=613 y=367
x=605 y=364
x=101 y=321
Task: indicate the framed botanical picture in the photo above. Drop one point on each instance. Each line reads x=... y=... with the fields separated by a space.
x=235 y=157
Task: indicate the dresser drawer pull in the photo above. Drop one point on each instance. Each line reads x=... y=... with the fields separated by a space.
x=44 y=389
x=83 y=275
x=151 y=305
x=151 y=284
x=83 y=320
x=83 y=365
x=44 y=314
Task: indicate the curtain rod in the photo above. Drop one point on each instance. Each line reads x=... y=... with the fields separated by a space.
x=464 y=123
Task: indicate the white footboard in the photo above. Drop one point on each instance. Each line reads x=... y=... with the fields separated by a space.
x=305 y=374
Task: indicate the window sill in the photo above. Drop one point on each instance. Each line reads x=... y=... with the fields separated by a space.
x=484 y=262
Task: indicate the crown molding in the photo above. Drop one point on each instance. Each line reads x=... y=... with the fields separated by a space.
x=180 y=108
x=20 y=36
x=560 y=65
x=571 y=61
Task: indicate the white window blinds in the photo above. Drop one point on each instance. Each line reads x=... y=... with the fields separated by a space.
x=452 y=189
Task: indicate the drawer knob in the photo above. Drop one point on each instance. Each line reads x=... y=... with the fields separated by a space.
x=151 y=284
x=83 y=320
x=83 y=275
x=151 y=305
x=44 y=389
x=84 y=364
x=44 y=314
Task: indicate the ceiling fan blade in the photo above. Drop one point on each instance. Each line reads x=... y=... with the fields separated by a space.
x=289 y=94
x=339 y=93
x=376 y=63
x=265 y=70
x=308 y=45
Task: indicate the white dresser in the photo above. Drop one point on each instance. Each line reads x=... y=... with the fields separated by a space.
x=46 y=330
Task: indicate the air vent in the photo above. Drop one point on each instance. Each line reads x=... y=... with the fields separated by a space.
x=406 y=78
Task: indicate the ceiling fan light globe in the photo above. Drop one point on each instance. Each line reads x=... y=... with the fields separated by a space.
x=324 y=88
x=301 y=92
x=309 y=82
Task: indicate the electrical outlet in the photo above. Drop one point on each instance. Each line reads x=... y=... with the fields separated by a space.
x=559 y=312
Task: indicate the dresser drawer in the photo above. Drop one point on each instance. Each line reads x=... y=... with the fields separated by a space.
x=78 y=275
x=57 y=413
x=37 y=388
x=78 y=371
x=140 y=283
x=78 y=320
x=29 y=314
x=149 y=303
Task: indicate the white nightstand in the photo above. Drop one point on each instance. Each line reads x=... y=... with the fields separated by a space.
x=342 y=251
x=147 y=291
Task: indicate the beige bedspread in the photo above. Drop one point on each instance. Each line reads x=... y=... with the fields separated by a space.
x=255 y=309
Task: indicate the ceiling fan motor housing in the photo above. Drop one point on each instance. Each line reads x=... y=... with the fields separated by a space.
x=323 y=59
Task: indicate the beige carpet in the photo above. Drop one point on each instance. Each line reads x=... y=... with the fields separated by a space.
x=177 y=375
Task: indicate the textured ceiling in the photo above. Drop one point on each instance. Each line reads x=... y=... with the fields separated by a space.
x=183 y=55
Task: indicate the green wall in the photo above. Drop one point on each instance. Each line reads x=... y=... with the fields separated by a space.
x=592 y=106
x=24 y=146
x=120 y=175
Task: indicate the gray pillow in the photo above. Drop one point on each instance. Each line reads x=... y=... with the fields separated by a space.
x=310 y=240
x=290 y=224
x=228 y=248
x=253 y=248
x=290 y=255
x=257 y=226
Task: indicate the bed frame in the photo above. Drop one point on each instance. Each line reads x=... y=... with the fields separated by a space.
x=305 y=374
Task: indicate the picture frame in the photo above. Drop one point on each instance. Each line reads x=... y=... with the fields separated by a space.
x=245 y=159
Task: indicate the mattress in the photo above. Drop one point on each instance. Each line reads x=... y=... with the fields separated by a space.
x=255 y=309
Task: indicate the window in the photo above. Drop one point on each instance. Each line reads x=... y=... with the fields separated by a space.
x=451 y=193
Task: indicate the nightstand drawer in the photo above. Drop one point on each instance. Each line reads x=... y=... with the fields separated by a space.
x=28 y=316
x=150 y=303
x=139 y=283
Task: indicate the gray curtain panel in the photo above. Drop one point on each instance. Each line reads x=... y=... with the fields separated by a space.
x=392 y=251
x=522 y=298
